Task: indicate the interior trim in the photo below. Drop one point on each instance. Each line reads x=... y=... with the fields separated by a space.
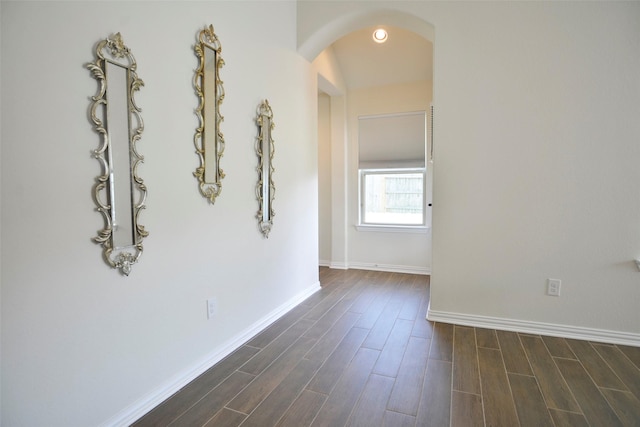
x=537 y=328
x=408 y=269
x=417 y=229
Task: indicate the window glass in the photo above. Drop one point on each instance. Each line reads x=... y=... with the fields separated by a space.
x=392 y=197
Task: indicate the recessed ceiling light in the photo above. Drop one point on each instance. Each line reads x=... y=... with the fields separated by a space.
x=380 y=35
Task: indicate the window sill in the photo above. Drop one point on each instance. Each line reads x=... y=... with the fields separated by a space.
x=418 y=229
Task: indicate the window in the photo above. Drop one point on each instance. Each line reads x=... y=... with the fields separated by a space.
x=392 y=197
x=392 y=170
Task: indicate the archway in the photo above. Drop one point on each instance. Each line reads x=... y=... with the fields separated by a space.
x=312 y=44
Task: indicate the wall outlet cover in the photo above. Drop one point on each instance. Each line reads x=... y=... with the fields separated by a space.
x=212 y=307
x=553 y=287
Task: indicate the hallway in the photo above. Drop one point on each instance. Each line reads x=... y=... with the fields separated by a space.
x=359 y=353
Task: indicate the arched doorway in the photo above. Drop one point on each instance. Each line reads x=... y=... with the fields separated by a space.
x=317 y=38
x=347 y=247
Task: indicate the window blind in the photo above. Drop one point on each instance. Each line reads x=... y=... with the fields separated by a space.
x=392 y=140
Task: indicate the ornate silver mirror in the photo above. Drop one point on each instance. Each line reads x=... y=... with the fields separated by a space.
x=208 y=138
x=265 y=189
x=119 y=192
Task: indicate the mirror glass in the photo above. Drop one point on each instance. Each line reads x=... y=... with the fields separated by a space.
x=208 y=138
x=265 y=189
x=266 y=160
x=119 y=192
x=119 y=156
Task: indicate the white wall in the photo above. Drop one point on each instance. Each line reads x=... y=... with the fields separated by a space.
x=536 y=158
x=332 y=142
x=405 y=251
x=330 y=76
x=82 y=345
x=0 y=224
x=324 y=179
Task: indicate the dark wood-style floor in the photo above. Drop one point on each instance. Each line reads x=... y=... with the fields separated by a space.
x=360 y=353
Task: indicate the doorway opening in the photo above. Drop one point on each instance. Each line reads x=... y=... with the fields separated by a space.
x=358 y=77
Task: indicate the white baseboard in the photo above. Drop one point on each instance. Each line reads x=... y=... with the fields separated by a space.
x=139 y=408
x=536 y=328
x=409 y=269
x=324 y=263
x=338 y=265
x=376 y=267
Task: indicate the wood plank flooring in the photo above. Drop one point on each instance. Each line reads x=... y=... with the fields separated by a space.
x=360 y=353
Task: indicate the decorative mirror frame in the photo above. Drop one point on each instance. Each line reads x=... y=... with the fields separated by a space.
x=265 y=189
x=210 y=189
x=112 y=52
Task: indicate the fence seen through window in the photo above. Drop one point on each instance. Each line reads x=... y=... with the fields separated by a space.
x=393 y=198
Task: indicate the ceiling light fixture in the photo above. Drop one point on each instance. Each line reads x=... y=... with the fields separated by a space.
x=380 y=35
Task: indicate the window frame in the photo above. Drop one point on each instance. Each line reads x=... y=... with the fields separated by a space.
x=390 y=227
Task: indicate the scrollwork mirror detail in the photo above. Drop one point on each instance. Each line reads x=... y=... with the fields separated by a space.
x=119 y=192
x=265 y=189
x=208 y=138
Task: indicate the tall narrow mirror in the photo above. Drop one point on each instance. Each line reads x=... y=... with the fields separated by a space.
x=265 y=189
x=119 y=192
x=208 y=138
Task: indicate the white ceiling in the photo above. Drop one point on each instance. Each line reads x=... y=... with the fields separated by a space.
x=405 y=57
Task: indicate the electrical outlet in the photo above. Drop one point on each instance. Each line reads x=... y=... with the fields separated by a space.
x=212 y=307
x=553 y=287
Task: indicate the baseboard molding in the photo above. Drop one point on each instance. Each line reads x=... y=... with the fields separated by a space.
x=139 y=408
x=376 y=267
x=324 y=263
x=390 y=268
x=338 y=265
x=537 y=328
